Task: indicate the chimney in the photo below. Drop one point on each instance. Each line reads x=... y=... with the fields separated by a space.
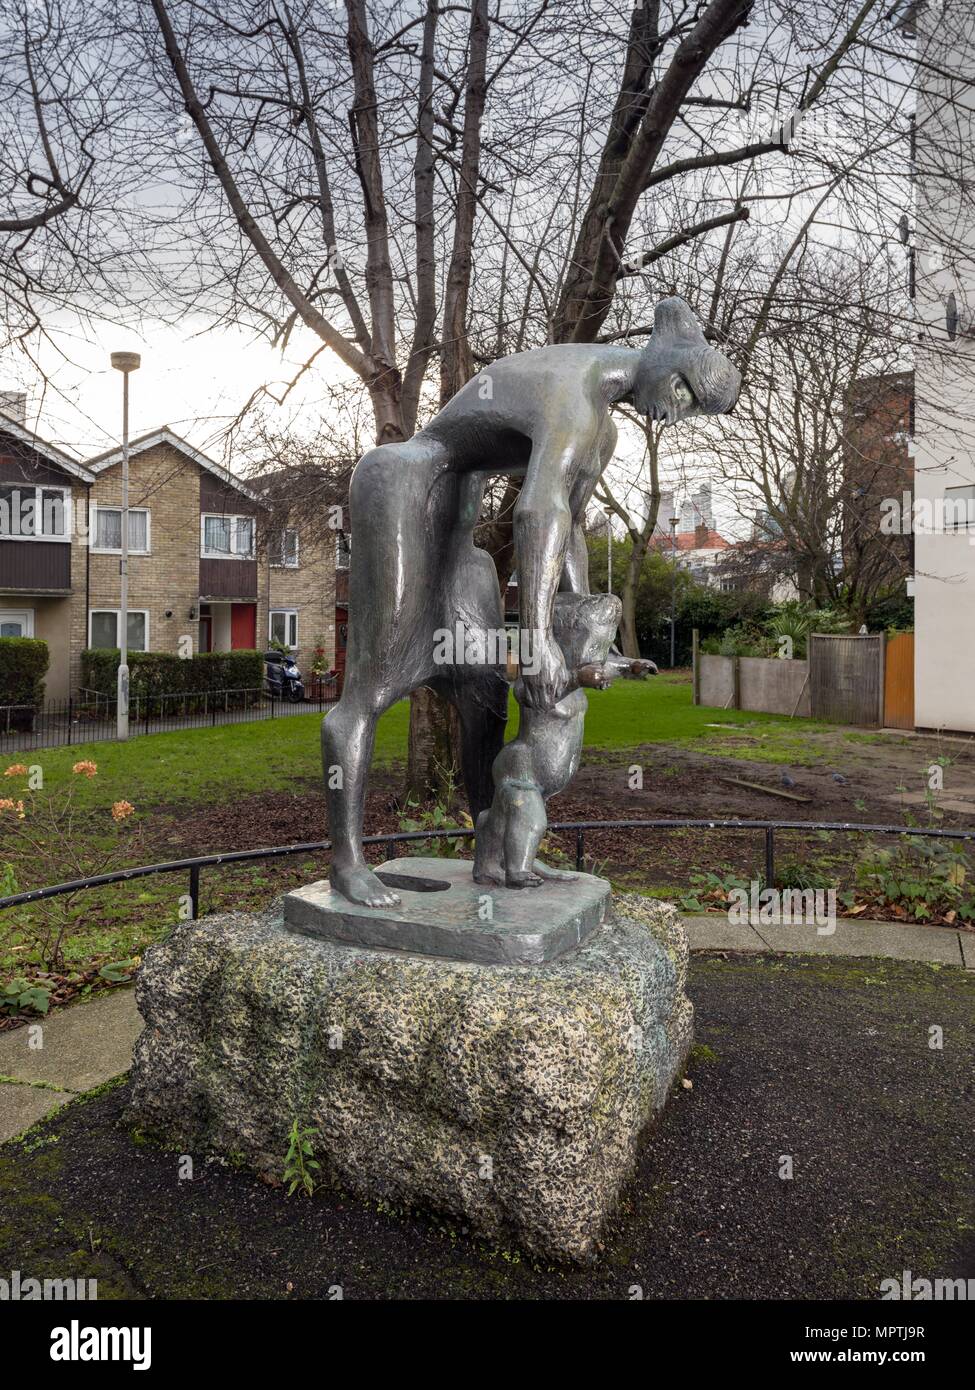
x=701 y=533
x=14 y=405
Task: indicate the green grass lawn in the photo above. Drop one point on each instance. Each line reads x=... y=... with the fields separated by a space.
x=199 y=765
x=164 y=773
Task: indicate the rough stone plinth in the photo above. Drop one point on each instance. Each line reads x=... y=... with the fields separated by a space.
x=465 y=920
x=510 y=1097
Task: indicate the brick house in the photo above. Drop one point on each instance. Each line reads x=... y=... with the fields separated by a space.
x=44 y=501
x=201 y=564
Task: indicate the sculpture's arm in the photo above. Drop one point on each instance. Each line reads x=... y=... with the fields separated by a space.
x=575 y=575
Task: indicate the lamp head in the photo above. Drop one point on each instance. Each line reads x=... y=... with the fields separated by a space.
x=126 y=361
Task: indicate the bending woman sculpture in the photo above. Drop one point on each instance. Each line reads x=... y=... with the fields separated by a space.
x=543 y=416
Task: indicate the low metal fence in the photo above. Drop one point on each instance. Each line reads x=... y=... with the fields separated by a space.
x=194 y=867
x=91 y=716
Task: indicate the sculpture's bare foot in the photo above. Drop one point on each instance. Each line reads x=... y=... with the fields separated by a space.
x=489 y=872
x=557 y=875
x=522 y=878
x=359 y=884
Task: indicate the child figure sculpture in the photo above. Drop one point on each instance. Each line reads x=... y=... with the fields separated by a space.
x=544 y=757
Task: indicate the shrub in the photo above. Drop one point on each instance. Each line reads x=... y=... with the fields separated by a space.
x=163 y=673
x=23 y=666
x=919 y=880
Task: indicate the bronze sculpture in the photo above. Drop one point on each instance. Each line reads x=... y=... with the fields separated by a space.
x=542 y=415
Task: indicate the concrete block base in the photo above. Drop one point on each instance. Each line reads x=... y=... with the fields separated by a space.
x=510 y=1097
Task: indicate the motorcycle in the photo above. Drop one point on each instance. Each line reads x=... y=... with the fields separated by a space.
x=282 y=679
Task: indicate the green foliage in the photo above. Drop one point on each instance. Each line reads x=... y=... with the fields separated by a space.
x=164 y=673
x=300 y=1162
x=762 y=637
x=23 y=666
x=438 y=817
x=20 y=994
x=118 y=971
x=319 y=663
x=918 y=879
x=711 y=890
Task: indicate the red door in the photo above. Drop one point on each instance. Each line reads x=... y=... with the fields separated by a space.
x=243 y=626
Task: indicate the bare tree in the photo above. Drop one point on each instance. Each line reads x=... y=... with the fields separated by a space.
x=821 y=438
x=61 y=167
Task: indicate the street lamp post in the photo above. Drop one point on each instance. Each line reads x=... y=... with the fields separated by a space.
x=673 y=588
x=124 y=362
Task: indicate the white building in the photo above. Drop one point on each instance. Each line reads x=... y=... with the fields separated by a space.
x=944 y=446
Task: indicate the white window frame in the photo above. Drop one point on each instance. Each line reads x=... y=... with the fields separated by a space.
x=235 y=519
x=17 y=614
x=284 y=563
x=289 y=613
x=341 y=536
x=108 y=550
x=37 y=489
x=968 y=507
x=118 y=612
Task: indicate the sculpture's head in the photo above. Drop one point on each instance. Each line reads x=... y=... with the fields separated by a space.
x=584 y=626
x=679 y=374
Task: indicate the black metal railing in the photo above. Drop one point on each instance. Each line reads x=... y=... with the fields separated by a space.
x=90 y=716
x=193 y=867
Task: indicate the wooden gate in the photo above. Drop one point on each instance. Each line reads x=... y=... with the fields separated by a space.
x=899 y=682
x=846 y=680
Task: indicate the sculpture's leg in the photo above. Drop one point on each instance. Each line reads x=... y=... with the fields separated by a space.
x=348 y=736
x=482 y=704
x=488 y=867
x=401 y=522
x=525 y=822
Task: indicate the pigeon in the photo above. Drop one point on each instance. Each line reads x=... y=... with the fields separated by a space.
x=788 y=781
x=839 y=779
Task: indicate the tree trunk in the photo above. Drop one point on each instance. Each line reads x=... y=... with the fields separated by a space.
x=433 y=764
x=434 y=757
x=628 y=639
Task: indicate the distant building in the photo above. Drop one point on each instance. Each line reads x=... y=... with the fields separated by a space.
x=698 y=548
x=944 y=444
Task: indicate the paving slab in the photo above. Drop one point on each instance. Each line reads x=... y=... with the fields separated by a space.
x=966 y=941
x=82 y=1046
x=851 y=938
x=22 y=1106
x=716 y=933
x=888 y=939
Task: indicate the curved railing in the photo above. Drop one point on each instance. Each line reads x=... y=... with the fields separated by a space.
x=193 y=867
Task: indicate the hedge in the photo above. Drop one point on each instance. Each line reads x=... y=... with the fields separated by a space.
x=163 y=673
x=23 y=666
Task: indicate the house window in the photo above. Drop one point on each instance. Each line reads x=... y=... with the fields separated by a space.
x=34 y=513
x=283 y=626
x=283 y=550
x=343 y=550
x=106 y=533
x=227 y=537
x=960 y=507
x=16 y=622
x=103 y=628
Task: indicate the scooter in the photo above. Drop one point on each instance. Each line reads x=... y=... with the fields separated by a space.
x=282 y=679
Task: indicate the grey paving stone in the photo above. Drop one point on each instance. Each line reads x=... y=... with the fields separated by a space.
x=966 y=941
x=22 y=1106
x=715 y=932
x=83 y=1045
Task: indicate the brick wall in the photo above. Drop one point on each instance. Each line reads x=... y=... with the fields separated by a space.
x=311 y=590
x=168 y=578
